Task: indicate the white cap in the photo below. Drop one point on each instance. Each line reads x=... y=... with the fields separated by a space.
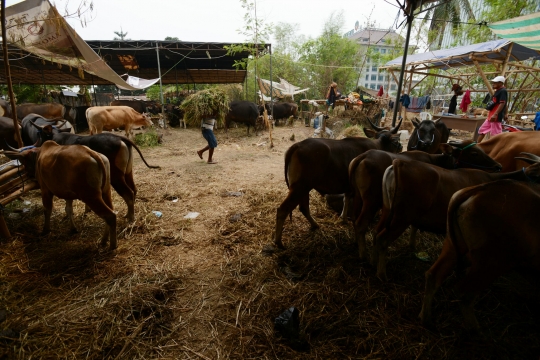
x=499 y=79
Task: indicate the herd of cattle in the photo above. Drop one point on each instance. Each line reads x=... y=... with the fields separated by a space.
x=472 y=192
x=483 y=196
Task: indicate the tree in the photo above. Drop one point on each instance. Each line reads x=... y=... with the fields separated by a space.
x=121 y=35
x=170 y=38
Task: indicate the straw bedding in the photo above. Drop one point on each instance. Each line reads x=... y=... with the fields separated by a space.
x=211 y=287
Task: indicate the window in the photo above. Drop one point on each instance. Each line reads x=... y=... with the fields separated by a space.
x=381 y=77
x=367 y=77
x=372 y=86
x=367 y=69
x=366 y=85
x=383 y=51
x=376 y=49
x=374 y=68
x=386 y=78
x=373 y=77
x=393 y=87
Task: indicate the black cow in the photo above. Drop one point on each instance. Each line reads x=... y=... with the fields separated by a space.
x=32 y=126
x=174 y=114
x=81 y=124
x=428 y=135
x=7 y=133
x=280 y=110
x=242 y=112
x=323 y=165
x=118 y=149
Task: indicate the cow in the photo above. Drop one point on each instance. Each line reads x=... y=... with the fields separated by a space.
x=480 y=228
x=47 y=110
x=505 y=147
x=479 y=111
x=427 y=136
x=79 y=114
x=418 y=194
x=243 y=112
x=72 y=172
x=366 y=174
x=7 y=133
x=281 y=110
x=112 y=117
x=32 y=124
x=118 y=150
x=139 y=105
x=322 y=164
x=175 y=114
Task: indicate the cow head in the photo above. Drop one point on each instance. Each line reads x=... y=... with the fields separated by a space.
x=28 y=156
x=466 y=154
x=46 y=132
x=144 y=120
x=426 y=134
x=532 y=172
x=390 y=139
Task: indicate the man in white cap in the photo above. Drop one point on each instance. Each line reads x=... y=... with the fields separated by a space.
x=497 y=110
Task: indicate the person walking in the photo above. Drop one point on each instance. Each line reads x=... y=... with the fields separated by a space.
x=497 y=110
x=207 y=126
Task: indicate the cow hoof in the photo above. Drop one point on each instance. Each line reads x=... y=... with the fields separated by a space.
x=129 y=218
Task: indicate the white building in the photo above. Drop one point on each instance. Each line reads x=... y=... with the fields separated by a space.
x=380 y=41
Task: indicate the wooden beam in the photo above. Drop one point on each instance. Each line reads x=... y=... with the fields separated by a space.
x=486 y=81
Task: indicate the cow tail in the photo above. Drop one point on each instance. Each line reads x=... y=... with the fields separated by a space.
x=392 y=209
x=352 y=170
x=452 y=223
x=288 y=156
x=129 y=142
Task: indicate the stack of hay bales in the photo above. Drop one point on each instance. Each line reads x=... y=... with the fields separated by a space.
x=205 y=103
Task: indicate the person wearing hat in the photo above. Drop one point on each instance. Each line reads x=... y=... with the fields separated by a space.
x=497 y=110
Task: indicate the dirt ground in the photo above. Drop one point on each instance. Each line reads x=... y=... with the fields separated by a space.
x=211 y=287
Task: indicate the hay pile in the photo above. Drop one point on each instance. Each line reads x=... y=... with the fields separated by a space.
x=353 y=131
x=204 y=103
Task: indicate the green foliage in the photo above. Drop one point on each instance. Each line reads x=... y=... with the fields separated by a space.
x=120 y=35
x=149 y=138
x=204 y=103
x=170 y=38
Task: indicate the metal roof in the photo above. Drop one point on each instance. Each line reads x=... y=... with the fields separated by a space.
x=180 y=62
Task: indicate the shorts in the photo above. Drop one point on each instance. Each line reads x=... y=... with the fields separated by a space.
x=209 y=136
x=495 y=128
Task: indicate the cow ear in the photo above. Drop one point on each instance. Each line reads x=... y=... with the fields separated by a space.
x=370 y=133
x=415 y=122
x=446 y=149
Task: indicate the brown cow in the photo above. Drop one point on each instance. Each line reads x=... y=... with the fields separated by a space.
x=47 y=110
x=366 y=174
x=72 y=172
x=480 y=229
x=112 y=117
x=505 y=147
x=322 y=164
x=424 y=207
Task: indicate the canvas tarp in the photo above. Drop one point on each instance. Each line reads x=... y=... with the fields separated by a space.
x=523 y=30
x=463 y=55
x=279 y=90
x=37 y=27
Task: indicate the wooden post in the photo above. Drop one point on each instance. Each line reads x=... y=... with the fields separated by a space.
x=8 y=74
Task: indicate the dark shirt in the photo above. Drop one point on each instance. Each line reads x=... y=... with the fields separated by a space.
x=453 y=105
x=500 y=97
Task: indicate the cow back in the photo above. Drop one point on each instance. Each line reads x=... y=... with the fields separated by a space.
x=243 y=112
x=7 y=133
x=48 y=111
x=505 y=147
x=136 y=105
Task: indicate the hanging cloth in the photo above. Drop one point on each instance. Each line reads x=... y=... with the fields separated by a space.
x=465 y=101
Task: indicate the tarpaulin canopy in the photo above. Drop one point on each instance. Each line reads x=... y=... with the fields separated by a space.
x=37 y=27
x=523 y=30
x=279 y=90
x=483 y=53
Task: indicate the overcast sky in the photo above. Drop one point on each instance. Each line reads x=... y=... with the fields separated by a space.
x=219 y=20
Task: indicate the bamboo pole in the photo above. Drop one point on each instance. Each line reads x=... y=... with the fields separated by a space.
x=13 y=183
x=486 y=81
x=8 y=73
x=31 y=185
x=8 y=174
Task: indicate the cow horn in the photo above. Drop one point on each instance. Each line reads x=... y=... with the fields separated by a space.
x=52 y=120
x=374 y=126
x=37 y=126
x=12 y=148
x=395 y=129
x=437 y=121
x=531 y=158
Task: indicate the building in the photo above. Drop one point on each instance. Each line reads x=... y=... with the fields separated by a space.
x=376 y=46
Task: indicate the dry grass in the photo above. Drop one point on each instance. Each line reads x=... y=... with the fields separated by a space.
x=211 y=287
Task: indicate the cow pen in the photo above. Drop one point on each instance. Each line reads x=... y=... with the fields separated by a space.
x=210 y=287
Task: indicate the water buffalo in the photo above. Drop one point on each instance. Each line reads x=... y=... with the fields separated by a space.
x=428 y=135
x=243 y=112
x=32 y=124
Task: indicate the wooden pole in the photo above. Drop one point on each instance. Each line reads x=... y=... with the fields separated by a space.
x=8 y=74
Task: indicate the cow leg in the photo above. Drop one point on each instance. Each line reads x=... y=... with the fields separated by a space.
x=435 y=276
x=69 y=213
x=304 y=209
x=361 y=226
x=292 y=200
x=124 y=190
x=103 y=209
x=345 y=211
x=47 y=200
x=412 y=238
x=382 y=241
